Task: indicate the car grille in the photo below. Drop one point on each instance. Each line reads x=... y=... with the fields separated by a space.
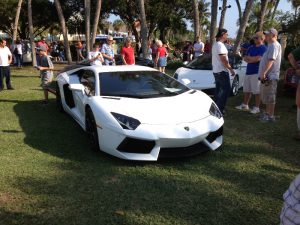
x=192 y=150
x=131 y=145
x=214 y=135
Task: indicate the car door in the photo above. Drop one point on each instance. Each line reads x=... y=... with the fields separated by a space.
x=87 y=79
x=200 y=73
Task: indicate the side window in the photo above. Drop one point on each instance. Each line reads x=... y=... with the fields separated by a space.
x=88 y=81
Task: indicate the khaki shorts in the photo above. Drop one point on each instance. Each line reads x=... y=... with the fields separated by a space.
x=251 y=84
x=268 y=92
x=47 y=80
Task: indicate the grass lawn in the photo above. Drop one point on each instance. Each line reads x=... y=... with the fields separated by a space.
x=49 y=176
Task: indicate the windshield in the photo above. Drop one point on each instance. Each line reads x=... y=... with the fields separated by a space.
x=139 y=84
x=201 y=63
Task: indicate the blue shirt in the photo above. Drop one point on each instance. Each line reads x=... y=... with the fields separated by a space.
x=107 y=50
x=252 y=68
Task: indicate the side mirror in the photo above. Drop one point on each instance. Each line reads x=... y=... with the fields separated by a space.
x=186 y=81
x=76 y=87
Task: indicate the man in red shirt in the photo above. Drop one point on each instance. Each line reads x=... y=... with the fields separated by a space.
x=127 y=53
x=42 y=42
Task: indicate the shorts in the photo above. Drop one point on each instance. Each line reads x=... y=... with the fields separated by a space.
x=268 y=92
x=47 y=80
x=162 y=62
x=251 y=84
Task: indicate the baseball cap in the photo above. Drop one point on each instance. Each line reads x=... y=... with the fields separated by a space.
x=41 y=48
x=271 y=31
x=221 y=32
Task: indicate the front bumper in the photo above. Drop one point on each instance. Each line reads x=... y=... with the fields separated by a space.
x=149 y=142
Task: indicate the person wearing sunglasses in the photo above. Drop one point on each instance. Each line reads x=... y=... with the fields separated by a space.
x=251 y=84
x=108 y=52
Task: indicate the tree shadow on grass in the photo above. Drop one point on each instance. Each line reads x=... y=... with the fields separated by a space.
x=109 y=196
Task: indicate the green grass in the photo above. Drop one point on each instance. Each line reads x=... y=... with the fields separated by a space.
x=49 y=176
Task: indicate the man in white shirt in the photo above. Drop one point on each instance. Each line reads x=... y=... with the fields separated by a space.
x=95 y=56
x=198 y=47
x=221 y=69
x=5 y=61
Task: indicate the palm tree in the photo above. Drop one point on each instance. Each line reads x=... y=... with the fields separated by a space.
x=64 y=30
x=30 y=24
x=144 y=29
x=118 y=24
x=238 y=4
x=15 y=29
x=87 y=10
x=196 y=19
x=275 y=9
x=243 y=25
x=263 y=10
x=213 y=23
x=223 y=13
x=296 y=5
x=96 y=21
x=204 y=14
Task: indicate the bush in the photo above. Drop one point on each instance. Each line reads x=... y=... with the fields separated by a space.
x=174 y=65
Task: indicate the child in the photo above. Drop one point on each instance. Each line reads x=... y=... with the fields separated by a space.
x=46 y=72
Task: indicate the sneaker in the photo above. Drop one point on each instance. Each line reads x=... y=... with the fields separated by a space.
x=267 y=119
x=255 y=110
x=10 y=88
x=243 y=107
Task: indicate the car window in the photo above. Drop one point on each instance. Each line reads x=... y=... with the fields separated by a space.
x=201 y=63
x=88 y=81
x=139 y=84
x=204 y=62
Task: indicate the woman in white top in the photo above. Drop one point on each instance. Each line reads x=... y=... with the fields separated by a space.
x=95 y=56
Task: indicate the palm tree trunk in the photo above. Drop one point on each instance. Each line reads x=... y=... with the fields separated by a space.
x=240 y=11
x=213 y=23
x=223 y=13
x=96 y=21
x=243 y=26
x=263 y=9
x=87 y=9
x=275 y=9
x=144 y=29
x=64 y=30
x=196 y=19
x=30 y=24
x=15 y=29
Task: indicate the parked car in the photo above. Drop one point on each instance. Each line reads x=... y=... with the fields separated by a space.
x=140 y=61
x=138 y=113
x=198 y=74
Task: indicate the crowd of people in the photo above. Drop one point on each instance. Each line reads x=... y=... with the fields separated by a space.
x=263 y=57
x=262 y=54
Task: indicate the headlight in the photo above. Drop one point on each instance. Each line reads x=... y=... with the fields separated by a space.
x=214 y=111
x=126 y=122
x=175 y=76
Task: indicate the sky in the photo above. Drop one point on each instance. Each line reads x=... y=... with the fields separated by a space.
x=232 y=15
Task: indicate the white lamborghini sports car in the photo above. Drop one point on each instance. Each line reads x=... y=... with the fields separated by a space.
x=138 y=113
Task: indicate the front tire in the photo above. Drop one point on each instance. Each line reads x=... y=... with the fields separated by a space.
x=91 y=130
x=235 y=86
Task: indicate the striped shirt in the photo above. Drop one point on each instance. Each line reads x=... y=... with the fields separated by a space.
x=290 y=214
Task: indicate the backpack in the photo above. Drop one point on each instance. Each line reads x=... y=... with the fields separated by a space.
x=16 y=52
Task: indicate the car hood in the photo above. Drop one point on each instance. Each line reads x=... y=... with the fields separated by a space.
x=186 y=70
x=184 y=108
